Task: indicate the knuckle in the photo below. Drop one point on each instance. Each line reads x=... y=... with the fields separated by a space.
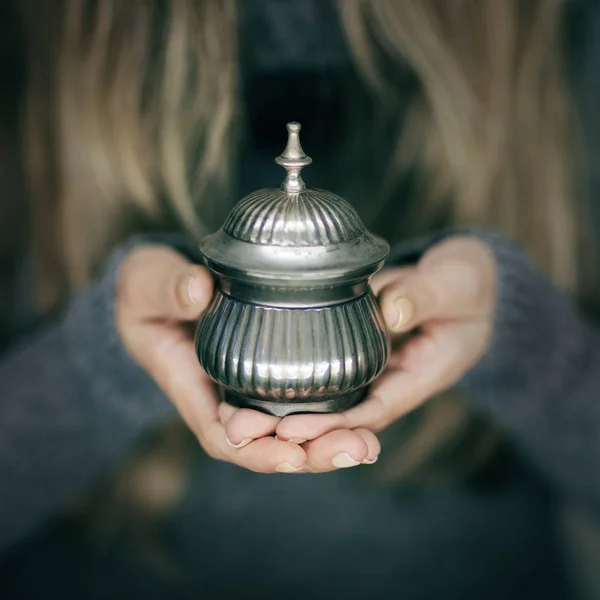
x=465 y=277
x=379 y=413
x=474 y=285
x=425 y=293
x=124 y=289
x=162 y=370
x=430 y=294
x=211 y=451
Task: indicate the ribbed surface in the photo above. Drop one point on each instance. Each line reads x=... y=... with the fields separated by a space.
x=292 y=354
x=278 y=218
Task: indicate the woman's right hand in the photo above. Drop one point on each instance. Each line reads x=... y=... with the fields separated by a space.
x=159 y=296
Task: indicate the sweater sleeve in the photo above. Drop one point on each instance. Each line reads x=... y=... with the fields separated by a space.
x=73 y=401
x=539 y=381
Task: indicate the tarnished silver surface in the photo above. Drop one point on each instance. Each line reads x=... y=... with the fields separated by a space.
x=293 y=325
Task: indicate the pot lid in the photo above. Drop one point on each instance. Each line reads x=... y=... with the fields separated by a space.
x=293 y=234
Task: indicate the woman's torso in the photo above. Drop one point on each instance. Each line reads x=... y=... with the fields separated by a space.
x=237 y=534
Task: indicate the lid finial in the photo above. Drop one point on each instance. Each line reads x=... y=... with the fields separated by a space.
x=294 y=160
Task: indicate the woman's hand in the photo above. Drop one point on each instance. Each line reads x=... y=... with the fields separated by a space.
x=447 y=303
x=160 y=296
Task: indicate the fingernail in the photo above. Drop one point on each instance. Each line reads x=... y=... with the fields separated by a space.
x=370 y=462
x=194 y=289
x=405 y=311
x=243 y=443
x=287 y=467
x=291 y=440
x=343 y=461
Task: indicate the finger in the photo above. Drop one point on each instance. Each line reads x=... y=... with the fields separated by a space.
x=449 y=289
x=339 y=449
x=170 y=358
x=373 y=445
x=246 y=425
x=264 y=455
x=313 y=426
x=309 y=426
x=197 y=400
x=226 y=411
x=388 y=276
x=428 y=365
x=395 y=392
x=157 y=282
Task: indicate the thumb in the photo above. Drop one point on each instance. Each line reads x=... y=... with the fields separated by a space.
x=158 y=282
x=448 y=289
x=407 y=303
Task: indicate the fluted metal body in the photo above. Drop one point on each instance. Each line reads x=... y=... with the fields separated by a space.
x=293 y=325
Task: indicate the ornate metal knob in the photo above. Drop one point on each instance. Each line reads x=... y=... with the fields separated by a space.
x=293 y=325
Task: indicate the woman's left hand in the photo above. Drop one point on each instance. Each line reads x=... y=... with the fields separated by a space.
x=447 y=303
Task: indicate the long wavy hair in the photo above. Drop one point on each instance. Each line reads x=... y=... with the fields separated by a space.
x=131 y=120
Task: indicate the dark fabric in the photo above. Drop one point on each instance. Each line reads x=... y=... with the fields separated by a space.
x=73 y=403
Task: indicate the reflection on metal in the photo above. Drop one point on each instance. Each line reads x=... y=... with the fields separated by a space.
x=293 y=325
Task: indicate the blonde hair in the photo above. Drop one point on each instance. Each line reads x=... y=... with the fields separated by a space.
x=134 y=126
x=141 y=119
x=491 y=131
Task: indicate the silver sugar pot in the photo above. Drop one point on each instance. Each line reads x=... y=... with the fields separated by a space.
x=293 y=325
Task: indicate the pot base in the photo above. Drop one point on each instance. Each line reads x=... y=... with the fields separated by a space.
x=283 y=409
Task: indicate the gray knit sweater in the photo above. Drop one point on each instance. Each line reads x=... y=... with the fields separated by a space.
x=74 y=403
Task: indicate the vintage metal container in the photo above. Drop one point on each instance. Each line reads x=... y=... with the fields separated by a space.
x=293 y=325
